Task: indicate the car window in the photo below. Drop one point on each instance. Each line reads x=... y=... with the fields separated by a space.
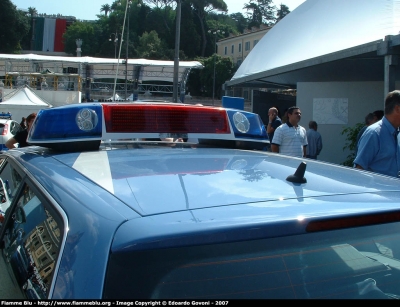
x=1 y=128
x=10 y=179
x=32 y=237
x=361 y=262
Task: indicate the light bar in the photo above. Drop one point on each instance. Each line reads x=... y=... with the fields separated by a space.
x=164 y=118
x=81 y=127
x=5 y=115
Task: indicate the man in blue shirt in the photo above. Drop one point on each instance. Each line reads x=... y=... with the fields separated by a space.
x=378 y=147
x=314 y=141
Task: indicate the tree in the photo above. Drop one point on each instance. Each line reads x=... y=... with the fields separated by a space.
x=162 y=20
x=105 y=8
x=282 y=12
x=151 y=47
x=26 y=42
x=83 y=30
x=224 y=70
x=240 y=21
x=220 y=29
x=261 y=12
x=14 y=25
x=201 y=8
x=32 y=11
x=161 y=3
x=190 y=37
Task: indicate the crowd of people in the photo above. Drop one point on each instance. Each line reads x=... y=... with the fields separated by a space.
x=377 y=148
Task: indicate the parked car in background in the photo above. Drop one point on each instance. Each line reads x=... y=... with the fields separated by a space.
x=8 y=128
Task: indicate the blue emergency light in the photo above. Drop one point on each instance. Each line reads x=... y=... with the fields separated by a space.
x=81 y=127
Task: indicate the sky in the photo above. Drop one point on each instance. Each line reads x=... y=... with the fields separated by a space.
x=88 y=9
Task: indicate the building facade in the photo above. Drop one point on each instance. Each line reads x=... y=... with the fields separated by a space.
x=238 y=47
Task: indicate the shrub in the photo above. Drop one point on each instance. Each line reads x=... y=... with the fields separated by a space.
x=351 y=142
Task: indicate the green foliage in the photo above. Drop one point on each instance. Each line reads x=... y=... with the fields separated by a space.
x=151 y=46
x=224 y=70
x=162 y=21
x=351 y=142
x=190 y=41
x=260 y=12
x=85 y=31
x=14 y=25
x=106 y=8
x=239 y=21
x=282 y=11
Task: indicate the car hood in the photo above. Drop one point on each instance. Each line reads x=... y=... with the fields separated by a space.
x=177 y=179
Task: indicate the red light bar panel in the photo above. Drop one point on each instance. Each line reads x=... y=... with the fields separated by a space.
x=164 y=119
x=358 y=221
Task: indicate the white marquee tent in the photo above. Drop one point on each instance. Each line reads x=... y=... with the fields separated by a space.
x=317 y=32
x=22 y=103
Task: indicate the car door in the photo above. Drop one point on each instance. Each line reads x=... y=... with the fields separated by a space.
x=31 y=237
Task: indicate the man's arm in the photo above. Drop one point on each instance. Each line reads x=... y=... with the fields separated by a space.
x=10 y=144
x=270 y=129
x=271 y=119
x=304 y=150
x=368 y=146
x=275 y=148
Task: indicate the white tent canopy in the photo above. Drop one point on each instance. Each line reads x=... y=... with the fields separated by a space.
x=25 y=97
x=116 y=97
x=317 y=28
x=22 y=103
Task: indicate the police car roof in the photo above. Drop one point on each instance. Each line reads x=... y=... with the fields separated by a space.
x=177 y=191
x=181 y=191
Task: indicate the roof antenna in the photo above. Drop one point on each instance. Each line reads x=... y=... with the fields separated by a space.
x=298 y=176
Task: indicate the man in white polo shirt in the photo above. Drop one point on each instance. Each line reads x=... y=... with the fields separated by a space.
x=290 y=138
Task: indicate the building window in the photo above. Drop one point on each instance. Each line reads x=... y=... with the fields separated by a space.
x=233 y=49
x=247 y=46
x=239 y=62
x=246 y=94
x=240 y=47
x=255 y=42
x=225 y=50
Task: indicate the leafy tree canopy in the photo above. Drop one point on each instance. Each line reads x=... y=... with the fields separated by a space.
x=14 y=25
x=106 y=8
x=224 y=70
x=81 y=30
x=282 y=11
x=259 y=12
x=151 y=47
